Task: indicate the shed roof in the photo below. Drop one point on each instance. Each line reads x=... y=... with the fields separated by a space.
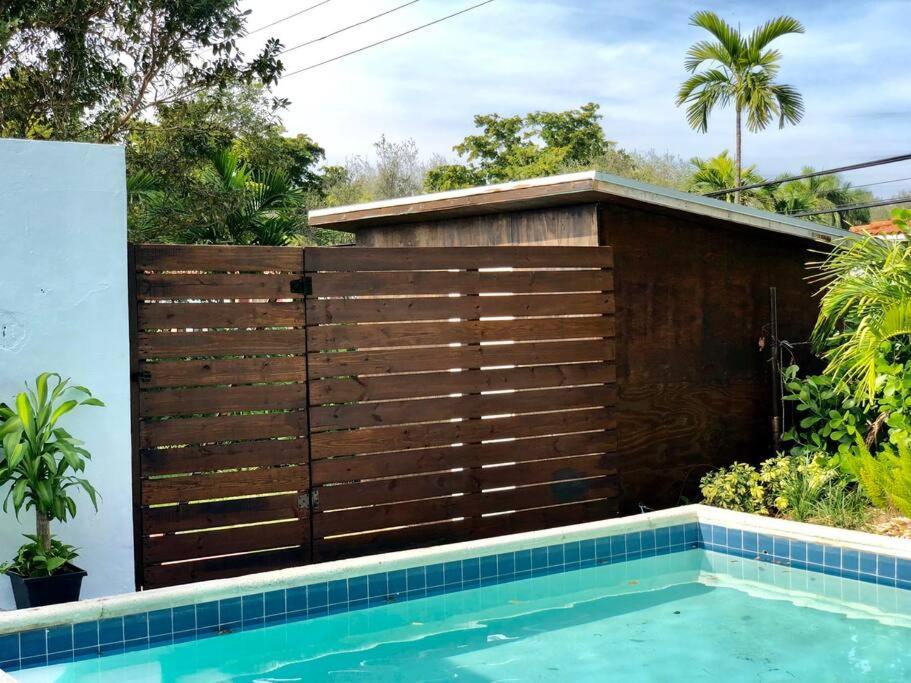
x=572 y=188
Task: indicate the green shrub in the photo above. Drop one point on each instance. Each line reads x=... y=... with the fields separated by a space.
x=738 y=487
x=841 y=505
x=794 y=484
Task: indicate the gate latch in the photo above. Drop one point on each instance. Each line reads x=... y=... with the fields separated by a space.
x=302 y=285
x=308 y=500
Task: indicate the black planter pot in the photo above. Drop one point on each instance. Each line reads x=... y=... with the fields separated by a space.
x=37 y=591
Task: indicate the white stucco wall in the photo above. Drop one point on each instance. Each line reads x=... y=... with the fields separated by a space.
x=63 y=308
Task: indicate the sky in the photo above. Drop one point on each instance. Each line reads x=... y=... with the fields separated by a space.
x=516 y=56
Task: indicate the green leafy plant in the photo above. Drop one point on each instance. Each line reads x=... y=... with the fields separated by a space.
x=737 y=487
x=841 y=505
x=41 y=461
x=34 y=560
x=884 y=477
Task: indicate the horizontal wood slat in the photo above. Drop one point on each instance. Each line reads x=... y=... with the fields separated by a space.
x=230 y=371
x=431 y=258
x=226 y=567
x=248 y=343
x=224 y=541
x=442 y=282
x=195 y=430
x=182 y=489
x=186 y=257
x=194 y=315
x=215 y=286
x=224 y=456
x=220 y=513
x=324 y=311
x=388 y=361
x=467 y=331
x=223 y=399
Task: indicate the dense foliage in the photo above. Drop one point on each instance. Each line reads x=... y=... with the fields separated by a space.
x=32 y=559
x=86 y=70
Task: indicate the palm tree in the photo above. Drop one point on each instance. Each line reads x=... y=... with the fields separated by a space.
x=719 y=173
x=866 y=301
x=741 y=71
x=821 y=193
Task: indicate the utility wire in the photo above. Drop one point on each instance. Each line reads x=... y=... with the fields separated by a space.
x=814 y=174
x=386 y=40
x=290 y=16
x=346 y=28
x=851 y=207
x=881 y=182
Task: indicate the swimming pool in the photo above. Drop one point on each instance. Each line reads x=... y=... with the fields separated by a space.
x=654 y=598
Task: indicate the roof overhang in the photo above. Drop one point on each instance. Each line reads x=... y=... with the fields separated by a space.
x=561 y=190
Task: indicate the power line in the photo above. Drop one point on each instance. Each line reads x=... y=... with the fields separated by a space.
x=881 y=182
x=386 y=40
x=814 y=174
x=851 y=207
x=290 y=16
x=346 y=28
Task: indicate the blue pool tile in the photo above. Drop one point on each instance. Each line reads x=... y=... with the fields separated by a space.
x=886 y=581
x=359 y=604
x=604 y=547
x=831 y=556
x=523 y=561
x=434 y=574
x=677 y=534
x=136 y=626
x=617 y=547
x=9 y=647
x=452 y=573
x=185 y=616
x=765 y=544
x=538 y=558
x=799 y=551
x=691 y=532
x=59 y=639
x=60 y=657
x=850 y=560
x=815 y=554
x=751 y=541
x=297 y=599
x=633 y=543
x=33 y=643
x=414 y=577
x=229 y=612
x=110 y=630
x=885 y=566
x=160 y=622
x=253 y=607
x=318 y=595
x=397 y=582
x=647 y=539
x=506 y=564
x=206 y=615
x=338 y=608
x=571 y=552
x=662 y=537
x=488 y=567
x=28 y=662
x=135 y=645
x=85 y=635
x=274 y=603
x=735 y=539
x=719 y=534
x=338 y=591
x=9 y=665
x=781 y=548
x=903 y=569
x=587 y=550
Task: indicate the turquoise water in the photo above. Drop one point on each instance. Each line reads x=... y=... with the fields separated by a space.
x=692 y=616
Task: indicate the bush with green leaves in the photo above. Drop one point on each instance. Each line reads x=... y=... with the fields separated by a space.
x=34 y=560
x=737 y=487
x=40 y=460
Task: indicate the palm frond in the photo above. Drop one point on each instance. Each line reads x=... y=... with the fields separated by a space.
x=789 y=103
x=707 y=51
x=726 y=34
x=772 y=29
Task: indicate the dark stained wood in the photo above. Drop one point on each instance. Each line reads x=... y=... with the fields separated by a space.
x=199 y=400
x=223 y=541
x=472 y=405
x=451 y=531
x=383 y=361
x=193 y=315
x=184 y=257
x=230 y=371
x=223 y=456
x=194 y=430
x=436 y=258
x=382 y=387
x=465 y=282
x=330 y=444
x=188 y=517
x=212 y=485
x=427 y=460
x=225 y=567
x=249 y=343
x=321 y=311
x=215 y=286
x=399 y=489
x=467 y=331
x=433 y=509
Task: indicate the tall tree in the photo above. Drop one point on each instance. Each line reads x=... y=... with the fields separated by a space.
x=740 y=70
x=86 y=69
x=720 y=173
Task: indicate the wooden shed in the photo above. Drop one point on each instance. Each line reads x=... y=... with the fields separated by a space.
x=694 y=304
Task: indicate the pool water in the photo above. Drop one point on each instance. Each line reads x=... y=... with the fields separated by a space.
x=693 y=616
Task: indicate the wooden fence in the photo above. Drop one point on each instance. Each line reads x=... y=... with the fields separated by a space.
x=304 y=405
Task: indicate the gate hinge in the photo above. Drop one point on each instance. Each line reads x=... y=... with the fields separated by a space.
x=308 y=500
x=302 y=285
x=142 y=376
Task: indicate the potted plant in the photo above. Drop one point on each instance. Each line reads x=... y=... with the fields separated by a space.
x=41 y=463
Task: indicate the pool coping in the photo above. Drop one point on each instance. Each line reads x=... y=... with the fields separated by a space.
x=146 y=601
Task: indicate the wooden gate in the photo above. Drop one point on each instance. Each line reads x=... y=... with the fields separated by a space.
x=451 y=394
